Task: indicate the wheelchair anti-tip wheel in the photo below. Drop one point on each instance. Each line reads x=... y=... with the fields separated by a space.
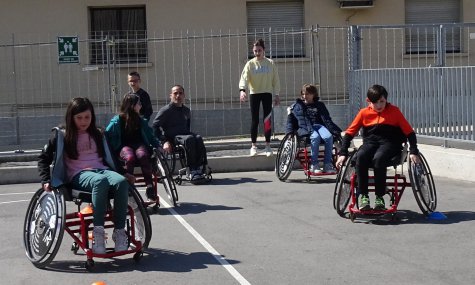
x=43 y=228
x=285 y=158
x=423 y=185
x=164 y=174
x=342 y=194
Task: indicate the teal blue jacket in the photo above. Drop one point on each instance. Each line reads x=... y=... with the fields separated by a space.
x=114 y=134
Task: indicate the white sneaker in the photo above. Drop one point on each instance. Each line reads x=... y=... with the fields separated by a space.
x=98 y=240
x=329 y=168
x=315 y=169
x=120 y=239
x=253 y=151
x=269 y=151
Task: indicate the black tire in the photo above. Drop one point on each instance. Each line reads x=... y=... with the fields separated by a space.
x=143 y=224
x=164 y=174
x=285 y=159
x=43 y=228
x=423 y=185
x=342 y=194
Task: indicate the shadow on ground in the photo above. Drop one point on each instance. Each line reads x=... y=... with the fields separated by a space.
x=154 y=260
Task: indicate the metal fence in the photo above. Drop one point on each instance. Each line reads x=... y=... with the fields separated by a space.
x=427 y=69
x=35 y=88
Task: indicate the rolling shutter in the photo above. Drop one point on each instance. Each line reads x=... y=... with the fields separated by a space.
x=284 y=19
x=423 y=39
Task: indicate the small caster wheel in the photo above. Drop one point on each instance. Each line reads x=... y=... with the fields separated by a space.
x=155 y=207
x=89 y=265
x=352 y=217
x=75 y=248
x=178 y=180
x=137 y=256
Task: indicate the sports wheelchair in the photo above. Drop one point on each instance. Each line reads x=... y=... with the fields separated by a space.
x=161 y=174
x=179 y=155
x=420 y=180
x=46 y=220
x=293 y=147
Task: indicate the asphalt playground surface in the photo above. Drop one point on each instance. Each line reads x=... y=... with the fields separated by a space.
x=250 y=228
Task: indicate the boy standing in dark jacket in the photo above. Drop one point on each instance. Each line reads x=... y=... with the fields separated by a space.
x=309 y=117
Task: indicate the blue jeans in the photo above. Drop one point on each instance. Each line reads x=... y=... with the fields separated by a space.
x=320 y=133
x=99 y=182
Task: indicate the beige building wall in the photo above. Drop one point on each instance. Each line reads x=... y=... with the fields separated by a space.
x=39 y=79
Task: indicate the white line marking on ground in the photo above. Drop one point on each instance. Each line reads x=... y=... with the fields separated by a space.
x=206 y=245
x=22 y=193
x=10 y=202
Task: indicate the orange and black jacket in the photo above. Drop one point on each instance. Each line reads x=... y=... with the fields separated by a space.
x=387 y=126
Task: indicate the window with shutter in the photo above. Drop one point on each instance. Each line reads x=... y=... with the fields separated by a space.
x=280 y=25
x=422 y=39
x=125 y=28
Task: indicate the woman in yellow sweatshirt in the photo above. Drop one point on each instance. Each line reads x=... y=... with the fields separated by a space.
x=260 y=76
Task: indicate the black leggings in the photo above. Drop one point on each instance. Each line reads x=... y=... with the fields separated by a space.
x=379 y=157
x=255 y=101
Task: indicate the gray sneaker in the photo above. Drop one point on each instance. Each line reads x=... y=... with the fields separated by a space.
x=329 y=168
x=315 y=169
x=98 y=240
x=269 y=151
x=120 y=239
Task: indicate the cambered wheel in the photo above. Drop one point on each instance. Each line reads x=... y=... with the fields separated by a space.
x=423 y=185
x=170 y=158
x=286 y=154
x=43 y=228
x=342 y=193
x=164 y=174
x=143 y=225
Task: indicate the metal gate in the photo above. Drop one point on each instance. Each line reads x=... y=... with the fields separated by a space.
x=432 y=83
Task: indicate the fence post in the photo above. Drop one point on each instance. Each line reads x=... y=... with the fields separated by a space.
x=354 y=58
x=109 y=80
x=16 y=114
x=441 y=44
x=314 y=57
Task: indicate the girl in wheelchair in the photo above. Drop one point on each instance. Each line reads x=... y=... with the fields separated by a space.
x=82 y=159
x=131 y=139
x=385 y=129
x=309 y=117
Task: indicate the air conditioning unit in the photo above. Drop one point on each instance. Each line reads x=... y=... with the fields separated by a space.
x=355 y=4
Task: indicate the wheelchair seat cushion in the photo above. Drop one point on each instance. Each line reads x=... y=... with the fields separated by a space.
x=84 y=196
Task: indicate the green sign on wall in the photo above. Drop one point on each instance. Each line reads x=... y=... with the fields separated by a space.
x=68 y=50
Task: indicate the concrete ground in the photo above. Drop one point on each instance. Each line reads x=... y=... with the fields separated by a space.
x=250 y=228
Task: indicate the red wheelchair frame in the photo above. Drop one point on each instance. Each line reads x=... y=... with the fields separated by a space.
x=420 y=180
x=294 y=148
x=46 y=221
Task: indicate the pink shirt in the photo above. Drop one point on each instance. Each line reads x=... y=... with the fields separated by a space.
x=88 y=157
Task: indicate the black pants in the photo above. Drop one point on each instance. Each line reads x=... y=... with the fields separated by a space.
x=255 y=101
x=195 y=150
x=377 y=156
